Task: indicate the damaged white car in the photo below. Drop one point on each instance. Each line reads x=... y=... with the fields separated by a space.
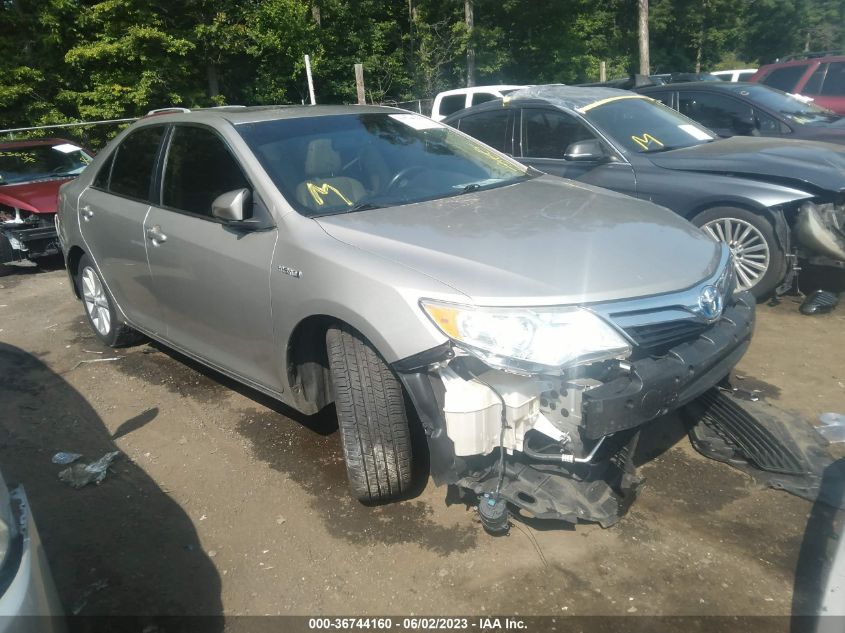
x=373 y=258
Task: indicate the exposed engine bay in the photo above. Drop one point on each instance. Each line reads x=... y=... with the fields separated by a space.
x=562 y=446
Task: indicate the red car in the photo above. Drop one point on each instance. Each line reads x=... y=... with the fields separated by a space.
x=816 y=75
x=31 y=173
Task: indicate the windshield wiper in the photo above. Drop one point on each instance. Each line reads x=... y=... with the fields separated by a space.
x=362 y=206
x=473 y=186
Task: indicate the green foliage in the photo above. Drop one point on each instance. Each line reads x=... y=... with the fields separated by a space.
x=67 y=60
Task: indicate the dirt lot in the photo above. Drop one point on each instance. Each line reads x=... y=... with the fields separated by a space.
x=225 y=501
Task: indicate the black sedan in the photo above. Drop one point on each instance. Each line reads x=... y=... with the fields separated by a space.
x=768 y=199
x=743 y=109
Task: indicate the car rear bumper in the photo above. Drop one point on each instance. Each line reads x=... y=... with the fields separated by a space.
x=29 y=601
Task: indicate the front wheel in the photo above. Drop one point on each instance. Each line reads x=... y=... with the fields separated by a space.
x=100 y=309
x=371 y=415
x=759 y=260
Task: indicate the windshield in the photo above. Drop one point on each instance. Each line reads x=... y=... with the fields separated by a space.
x=343 y=163
x=796 y=110
x=646 y=126
x=37 y=162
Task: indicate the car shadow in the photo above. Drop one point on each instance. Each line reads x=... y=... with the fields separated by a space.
x=122 y=548
x=823 y=536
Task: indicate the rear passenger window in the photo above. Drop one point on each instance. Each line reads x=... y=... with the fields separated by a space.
x=452 y=103
x=134 y=163
x=488 y=127
x=482 y=97
x=199 y=168
x=834 y=81
x=101 y=181
x=785 y=78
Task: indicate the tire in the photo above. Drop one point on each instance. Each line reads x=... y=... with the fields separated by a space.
x=7 y=253
x=757 y=245
x=99 y=308
x=371 y=415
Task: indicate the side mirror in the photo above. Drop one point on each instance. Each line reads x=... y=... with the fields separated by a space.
x=230 y=206
x=584 y=151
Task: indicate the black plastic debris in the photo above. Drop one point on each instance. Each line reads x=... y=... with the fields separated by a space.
x=778 y=449
x=493 y=511
x=819 y=302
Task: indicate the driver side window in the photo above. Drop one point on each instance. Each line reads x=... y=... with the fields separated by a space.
x=199 y=168
x=547 y=133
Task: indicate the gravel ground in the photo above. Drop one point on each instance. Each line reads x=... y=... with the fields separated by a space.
x=227 y=502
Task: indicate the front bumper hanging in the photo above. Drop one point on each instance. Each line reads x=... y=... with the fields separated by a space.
x=615 y=408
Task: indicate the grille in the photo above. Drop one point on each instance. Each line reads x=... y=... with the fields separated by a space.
x=665 y=333
x=755 y=442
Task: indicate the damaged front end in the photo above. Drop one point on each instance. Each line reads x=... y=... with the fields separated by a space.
x=559 y=442
x=26 y=235
x=820 y=232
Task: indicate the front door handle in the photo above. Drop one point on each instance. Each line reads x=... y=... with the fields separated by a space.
x=87 y=213
x=155 y=235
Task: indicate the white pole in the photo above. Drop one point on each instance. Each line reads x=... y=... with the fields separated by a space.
x=310 y=80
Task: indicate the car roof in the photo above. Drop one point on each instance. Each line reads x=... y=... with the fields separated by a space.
x=474 y=89
x=805 y=60
x=722 y=86
x=237 y=115
x=571 y=97
x=36 y=142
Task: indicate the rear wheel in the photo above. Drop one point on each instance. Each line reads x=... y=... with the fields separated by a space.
x=100 y=310
x=371 y=416
x=759 y=260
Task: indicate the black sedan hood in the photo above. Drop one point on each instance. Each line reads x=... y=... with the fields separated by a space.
x=788 y=162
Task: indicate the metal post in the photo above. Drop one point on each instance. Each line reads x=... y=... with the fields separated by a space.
x=310 y=80
x=359 y=83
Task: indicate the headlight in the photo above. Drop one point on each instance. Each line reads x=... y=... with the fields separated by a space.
x=528 y=339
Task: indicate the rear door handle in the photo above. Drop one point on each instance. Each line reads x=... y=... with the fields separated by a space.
x=155 y=235
x=87 y=213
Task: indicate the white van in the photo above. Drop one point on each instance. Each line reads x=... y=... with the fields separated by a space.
x=449 y=101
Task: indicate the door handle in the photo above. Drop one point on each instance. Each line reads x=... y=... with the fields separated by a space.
x=155 y=235
x=87 y=213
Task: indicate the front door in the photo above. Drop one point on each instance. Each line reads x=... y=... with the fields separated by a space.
x=546 y=134
x=211 y=279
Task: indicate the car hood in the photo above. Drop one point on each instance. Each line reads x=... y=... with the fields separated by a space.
x=789 y=162
x=38 y=197
x=546 y=241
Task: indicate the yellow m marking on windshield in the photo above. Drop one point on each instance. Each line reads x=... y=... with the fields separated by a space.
x=318 y=191
x=644 y=140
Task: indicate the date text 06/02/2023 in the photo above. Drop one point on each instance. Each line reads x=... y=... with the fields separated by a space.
x=486 y=624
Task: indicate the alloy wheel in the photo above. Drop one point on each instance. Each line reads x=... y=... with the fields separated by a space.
x=96 y=302
x=750 y=251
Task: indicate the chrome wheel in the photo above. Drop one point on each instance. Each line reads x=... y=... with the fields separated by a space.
x=96 y=302
x=749 y=248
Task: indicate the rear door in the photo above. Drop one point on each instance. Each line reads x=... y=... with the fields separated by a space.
x=546 y=133
x=211 y=279
x=726 y=115
x=111 y=218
